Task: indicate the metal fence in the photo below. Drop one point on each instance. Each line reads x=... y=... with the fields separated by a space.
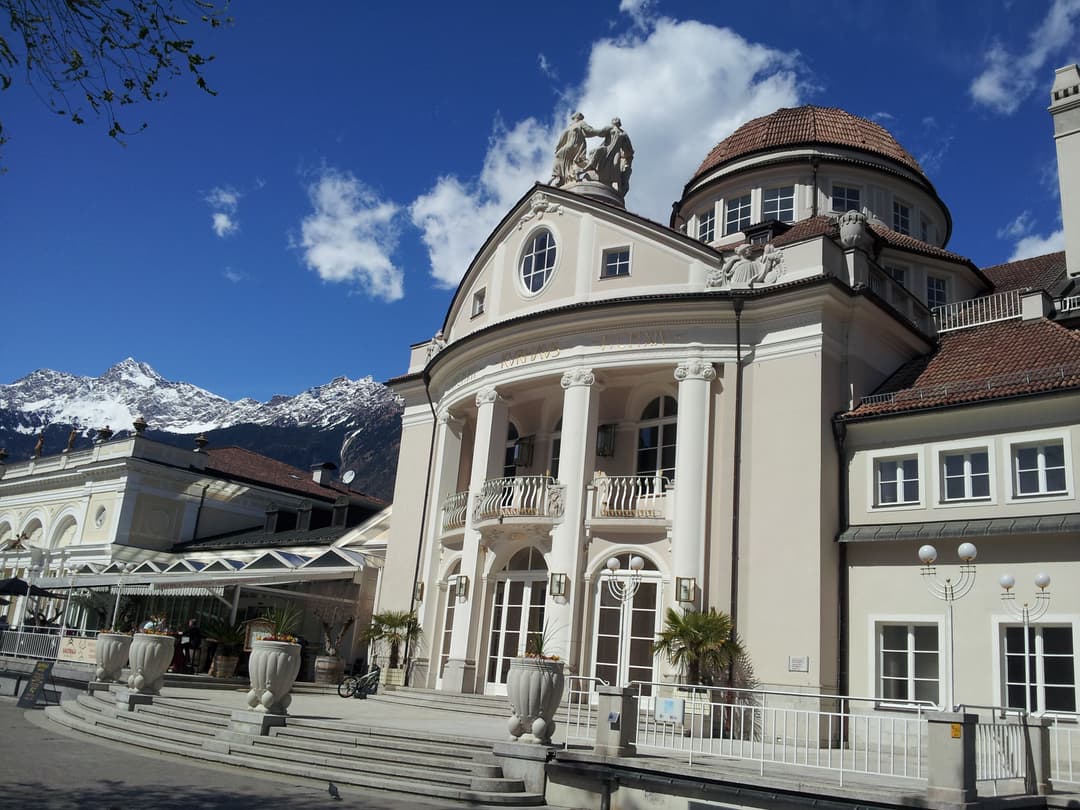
x=1065 y=749
x=454 y=511
x=630 y=496
x=522 y=496
x=1001 y=306
x=23 y=644
x=580 y=705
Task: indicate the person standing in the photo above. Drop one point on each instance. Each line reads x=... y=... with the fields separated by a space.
x=191 y=643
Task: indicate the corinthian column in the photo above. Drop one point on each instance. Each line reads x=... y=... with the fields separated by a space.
x=691 y=470
x=577 y=458
x=488 y=451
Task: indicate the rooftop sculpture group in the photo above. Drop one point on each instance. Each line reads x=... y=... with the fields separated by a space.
x=608 y=164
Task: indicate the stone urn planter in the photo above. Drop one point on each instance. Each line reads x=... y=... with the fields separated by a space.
x=535 y=689
x=110 y=655
x=272 y=667
x=149 y=658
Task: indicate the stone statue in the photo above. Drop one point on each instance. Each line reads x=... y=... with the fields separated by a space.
x=570 y=151
x=71 y=440
x=437 y=344
x=610 y=162
x=742 y=271
x=40 y=444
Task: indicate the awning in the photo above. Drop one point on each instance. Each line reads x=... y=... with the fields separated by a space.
x=966 y=529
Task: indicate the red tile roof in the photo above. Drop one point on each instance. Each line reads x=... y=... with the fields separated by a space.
x=236 y=462
x=1038 y=272
x=995 y=361
x=795 y=126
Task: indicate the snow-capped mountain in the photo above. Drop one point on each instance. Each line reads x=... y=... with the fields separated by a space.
x=352 y=422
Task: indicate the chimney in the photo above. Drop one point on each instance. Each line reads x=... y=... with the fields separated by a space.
x=303 y=516
x=1065 y=109
x=323 y=474
x=341 y=512
x=270 y=526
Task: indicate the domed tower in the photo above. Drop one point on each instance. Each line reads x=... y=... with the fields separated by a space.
x=803 y=162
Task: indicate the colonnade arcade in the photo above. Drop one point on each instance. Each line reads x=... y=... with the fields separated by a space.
x=535 y=486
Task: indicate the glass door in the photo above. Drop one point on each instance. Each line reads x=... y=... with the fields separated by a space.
x=626 y=630
x=517 y=611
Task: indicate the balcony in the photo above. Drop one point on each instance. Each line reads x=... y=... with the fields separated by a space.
x=535 y=500
x=629 y=502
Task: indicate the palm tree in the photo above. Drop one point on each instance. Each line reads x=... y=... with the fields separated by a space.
x=394 y=628
x=701 y=644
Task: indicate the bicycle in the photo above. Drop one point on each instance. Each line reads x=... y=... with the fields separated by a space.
x=359 y=686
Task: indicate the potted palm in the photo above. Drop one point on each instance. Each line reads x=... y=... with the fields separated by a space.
x=394 y=628
x=275 y=662
x=229 y=638
x=534 y=685
x=329 y=666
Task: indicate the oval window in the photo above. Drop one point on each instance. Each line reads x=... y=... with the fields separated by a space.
x=538 y=261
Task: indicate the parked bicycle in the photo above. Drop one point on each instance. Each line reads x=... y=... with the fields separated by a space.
x=359 y=686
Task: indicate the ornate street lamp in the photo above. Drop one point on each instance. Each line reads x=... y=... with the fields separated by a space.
x=948 y=591
x=623 y=589
x=1026 y=613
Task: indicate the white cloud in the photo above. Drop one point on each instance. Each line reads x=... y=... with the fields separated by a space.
x=223 y=224
x=351 y=234
x=1008 y=78
x=1020 y=226
x=1036 y=245
x=638 y=10
x=881 y=116
x=679 y=88
x=235 y=276
x=545 y=66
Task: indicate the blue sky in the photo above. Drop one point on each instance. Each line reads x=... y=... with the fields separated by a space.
x=311 y=220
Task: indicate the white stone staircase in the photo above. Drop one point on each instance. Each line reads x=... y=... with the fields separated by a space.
x=432 y=766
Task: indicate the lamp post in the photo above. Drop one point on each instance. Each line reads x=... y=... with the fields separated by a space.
x=1027 y=613
x=621 y=588
x=948 y=591
x=124 y=569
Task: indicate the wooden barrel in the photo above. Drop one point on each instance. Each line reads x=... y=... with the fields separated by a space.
x=329 y=669
x=224 y=666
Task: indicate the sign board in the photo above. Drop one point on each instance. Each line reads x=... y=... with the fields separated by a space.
x=955 y=730
x=668 y=710
x=798 y=663
x=256 y=630
x=35 y=684
x=77 y=648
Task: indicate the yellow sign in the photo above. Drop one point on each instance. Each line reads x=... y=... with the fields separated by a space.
x=955 y=729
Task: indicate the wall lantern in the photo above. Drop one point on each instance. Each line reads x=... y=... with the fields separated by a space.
x=558 y=587
x=605 y=441
x=461 y=584
x=523 y=451
x=418 y=592
x=685 y=589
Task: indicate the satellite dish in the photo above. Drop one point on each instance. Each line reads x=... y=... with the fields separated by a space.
x=349 y=476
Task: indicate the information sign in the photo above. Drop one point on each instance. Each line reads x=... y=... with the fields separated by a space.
x=668 y=710
x=35 y=685
x=77 y=648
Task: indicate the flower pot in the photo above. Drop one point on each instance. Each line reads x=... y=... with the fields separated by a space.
x=392 y=677
x=535 y=688
x=329 y=669
x=149 y=658
x=110 y=655
x=272 y=667
x=223 y=666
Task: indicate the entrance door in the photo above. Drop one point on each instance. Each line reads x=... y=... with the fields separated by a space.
x=517 y=610
x=626 y=630
x=448 y=621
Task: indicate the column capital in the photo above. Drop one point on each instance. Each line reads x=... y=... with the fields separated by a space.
x=446 y=418
x=578 y=376
x=486 y=396
x=695 y=370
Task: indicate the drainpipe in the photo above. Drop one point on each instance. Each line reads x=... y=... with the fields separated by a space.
x=424 y=508
x=839 y=428
x=198 y=512
x=736 y=478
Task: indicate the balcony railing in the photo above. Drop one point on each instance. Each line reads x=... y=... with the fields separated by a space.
x=523 y=496
x=895 y=295
x=1001 y=306
x=629 y=496
x=454 y=510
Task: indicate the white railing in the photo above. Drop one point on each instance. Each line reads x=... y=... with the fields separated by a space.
x=522 y=496
x=897 y=296
x=29 y=644
x=454 y=509
x=1000 y=750
x=842 y=735
x=1069 y=304
x=629 y=496
x=1000 y=306
x=580 y=705
x=1065 y=749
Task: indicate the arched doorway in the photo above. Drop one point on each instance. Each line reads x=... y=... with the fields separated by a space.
x=624 y=630
x=517 y=609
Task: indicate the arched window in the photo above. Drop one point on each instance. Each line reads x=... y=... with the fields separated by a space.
x=517 y=609
x=656 y=438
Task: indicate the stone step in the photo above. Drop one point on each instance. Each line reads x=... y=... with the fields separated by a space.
x=354 y=733
x=486 y=705
x=130 y=724
x=202 y=707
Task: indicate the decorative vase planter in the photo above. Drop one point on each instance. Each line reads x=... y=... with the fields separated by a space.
x=110 y=655
x=149 y=657
x=535 y=688
x=272 y=667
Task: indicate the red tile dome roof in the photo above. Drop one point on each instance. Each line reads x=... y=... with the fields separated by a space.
x=798 y=126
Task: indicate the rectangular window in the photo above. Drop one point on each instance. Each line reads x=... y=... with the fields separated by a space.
x=924 y=230
x=965 y=476
x=846 y=198
x=1039 y=469
x=908 y=665
x=897 y=274
x=616 y=263
x=738 y=215
x=779 y=204
x=897 y=481
x=1045 y=668
x=901 y=217
x=706 y=226
x=478 y=302
x=935 y=292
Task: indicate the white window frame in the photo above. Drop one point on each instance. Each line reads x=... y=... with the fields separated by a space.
x=847 y=187
x=902 y=210
x=1015 y=443
x=779 y=199
x=873 y=650
x=748 y=219
x=966 y=448
x=606 y=252
x=479 y=302
x=933 y=277
x=526 y=244
x=998 y=625
x=708 y=215
x=904 y=272
x=895 y=454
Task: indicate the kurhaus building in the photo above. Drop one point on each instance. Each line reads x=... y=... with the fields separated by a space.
x=766 y=406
